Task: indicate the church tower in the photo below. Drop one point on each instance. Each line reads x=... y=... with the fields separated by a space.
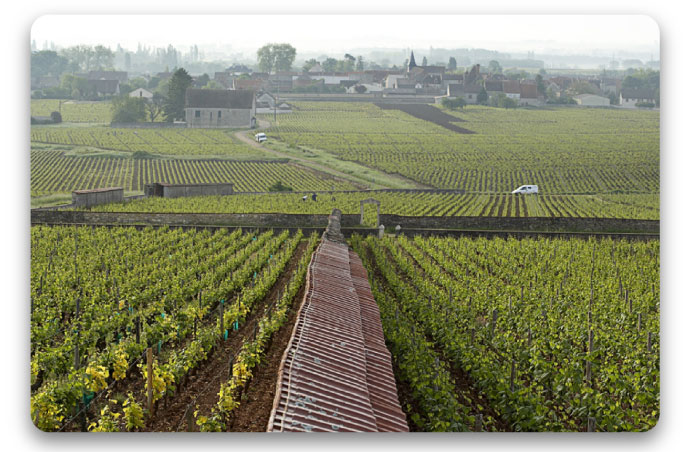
x=412 y=63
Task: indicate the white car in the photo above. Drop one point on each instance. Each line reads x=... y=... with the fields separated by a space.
x=526 y=189
x=260 y=137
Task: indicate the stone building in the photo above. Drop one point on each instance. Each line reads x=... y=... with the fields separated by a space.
x=592 y=100
x=217 y=108
x=93 y=197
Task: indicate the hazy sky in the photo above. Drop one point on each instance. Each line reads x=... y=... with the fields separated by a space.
x=339 y=33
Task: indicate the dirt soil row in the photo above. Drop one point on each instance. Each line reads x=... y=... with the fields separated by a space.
x=254 y=410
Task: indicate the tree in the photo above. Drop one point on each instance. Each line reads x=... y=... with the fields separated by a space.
x=329 y=65
x=266 y=58
x=359 y=66
x=452 y=64
x=128 y=109
x=102 y=58
x=482 y=97
x=503 y=101
x=345 y=65
x=495 y=67
x=541 y=86
x=275 y=57
x=77 y=86
x=47 y=62
x=284 y=56
x=309 y=64
x=201 y=81
x=174 y=107
x=153 y=82
x=154 y=106
x=582 y=87
x=212 y=84
x=56 y=117
x=361 y=89
x=453 y=104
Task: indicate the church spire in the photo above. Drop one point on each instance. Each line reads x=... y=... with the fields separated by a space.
x=412 y=63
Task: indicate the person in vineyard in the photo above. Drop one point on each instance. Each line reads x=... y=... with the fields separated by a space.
x=304 y=198
x=313 y=197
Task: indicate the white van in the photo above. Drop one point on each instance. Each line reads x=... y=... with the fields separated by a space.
x=260 y=137
x=526 y=189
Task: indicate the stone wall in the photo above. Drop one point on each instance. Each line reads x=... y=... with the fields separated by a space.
x=522 y=224
x=148 y=125
x=277 y=220
x=178 y=191
x=270 y=220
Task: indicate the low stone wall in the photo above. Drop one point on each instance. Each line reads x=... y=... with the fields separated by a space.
x=271 y=220
x=409 y=225
x=522 y=224
x=148 y=125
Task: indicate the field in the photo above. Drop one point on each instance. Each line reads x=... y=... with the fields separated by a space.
x=100 y=296
x=485 y=334
x=564 y=151
x=54 y=172
x=73 y=111
x=638 y=206
x=205 y=143
x=520 y=335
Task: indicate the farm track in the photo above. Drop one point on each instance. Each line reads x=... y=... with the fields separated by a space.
x=241 y=136
x=216 y=369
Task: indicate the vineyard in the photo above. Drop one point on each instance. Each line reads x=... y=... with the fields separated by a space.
x=637 y=206
x=564 y=151
x=72 y=111
x=520 y=335
x=100 y=297
x=166 y=142
x=54 y=172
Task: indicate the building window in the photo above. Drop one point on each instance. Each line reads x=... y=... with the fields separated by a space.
x=197 y=114
x=219 y=112
x=211 y=115
x=470 y=96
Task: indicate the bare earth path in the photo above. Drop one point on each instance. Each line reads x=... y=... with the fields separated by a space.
x=395 y=181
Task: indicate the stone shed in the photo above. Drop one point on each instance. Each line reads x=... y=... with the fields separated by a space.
x=88 y=198
x=180 y=190
x=220 y=108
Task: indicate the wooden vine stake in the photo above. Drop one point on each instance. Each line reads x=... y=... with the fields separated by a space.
x=190 y=419
x=512 y=377
x=588 y=368
x=591 y=424
x=220 y=309
x=649 y=341
x=478 y=421
x=149 y=379
x=628 y=301
x=639 y=321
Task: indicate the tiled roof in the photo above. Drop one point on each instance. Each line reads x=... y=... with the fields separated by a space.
x=218 y=98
